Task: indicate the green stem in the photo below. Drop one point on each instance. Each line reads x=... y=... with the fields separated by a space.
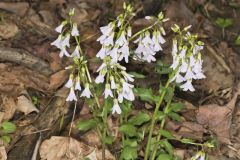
x=166 y=109
x=142 y=31
x=154 y=116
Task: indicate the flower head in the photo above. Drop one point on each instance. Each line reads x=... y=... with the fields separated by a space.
x=71 y=95
x=86 y=92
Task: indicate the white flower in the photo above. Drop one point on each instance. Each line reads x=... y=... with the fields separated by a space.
x=103 y=66
x=108 y=40
x=174 y=48
x=127 y=91
x=114 y=54
x=103 y=52
x=189 y=74
x=86 y=92
x=180 y=78
x=65 y=41
x=106 y=30
x=99 y=79
x=78 y=85
x=127 y=77
x=182 y=54
x=69 y=83
x=187 y=86
x=71 y=95
x=64 y=52
x=113 y=84
x=120 y=97
x=129 y=31
x=58 y=42
x=184 y=67
x=192 y=60
x=59 y=28
x=76 y=52
x=75 y=31
x=121 y=40
x=107 y=91
x=175 y=63
x=124 y=50
x=116 y=108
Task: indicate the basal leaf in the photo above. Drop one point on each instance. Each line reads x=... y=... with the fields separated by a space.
x=139 y=119
x=86 y=125
x=129 y=130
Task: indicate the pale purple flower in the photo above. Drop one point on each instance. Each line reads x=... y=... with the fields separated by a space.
x=106 y=30
x=107 y=91
x=59 y=28
x=65 y=41
x=116 y=108
x=102 y=52
x=124 y=50
x=129 y=31
x=58 y=42
x=122 y=39
x=69 y=83
x=99 y=79
x=113 y=84
x=71 y=95
x=75 y=31
x=127 y=77
x=187 y=86
x=78 y=85
x=76 y=52
x=86 y=92
x=64 y=52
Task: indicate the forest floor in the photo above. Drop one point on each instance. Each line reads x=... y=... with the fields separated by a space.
x=32 y=75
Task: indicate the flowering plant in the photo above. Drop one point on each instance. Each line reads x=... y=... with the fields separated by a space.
x=119 y=44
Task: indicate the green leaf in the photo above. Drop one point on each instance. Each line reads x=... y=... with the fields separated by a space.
x=5 y=139
x=166 y=134
x=129 y=153
x=139 y=119
x=160 y=115
x=169 y=94
x=163 y=156
x=137 y=75
x=129 y=130
x=168 y=146
x=176 y=107
x=86 y=125
x=8 y=127
x=174 y=116
x=109 y=140
x=126 y=107
x=131 y=142
x=224 y=22
x=237 y=41
x=146 y=94
x=187 y=141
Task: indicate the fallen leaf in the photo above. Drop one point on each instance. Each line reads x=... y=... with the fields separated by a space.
x=9 y=107
x=57 y=79
x=25 y=105
x=63 y=148
x=8 y=30
x=3 y=153
x=191 y=130
x=218 y=119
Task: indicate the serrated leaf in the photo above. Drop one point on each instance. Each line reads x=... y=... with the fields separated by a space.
x=8 y=127
x=168 y=146
x=5 y=139
x=164 y=157
x=129 y=153
x=166 y=134
x=129 y=130
x=174 y=116
x=86 y=125
x=137 y=75
x=176 y=107
x=139 y=119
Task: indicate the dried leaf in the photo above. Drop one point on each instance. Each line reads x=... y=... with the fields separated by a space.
x=218 y=119
x=9 y=107
x=8 y=30
x=25 y=105
x=63 y=148
x=57 y=79
x=3 y=153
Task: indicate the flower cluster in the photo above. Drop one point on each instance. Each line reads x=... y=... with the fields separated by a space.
x=187 y=61
x=116 y=86
x=148 y=46
x=68 y=30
